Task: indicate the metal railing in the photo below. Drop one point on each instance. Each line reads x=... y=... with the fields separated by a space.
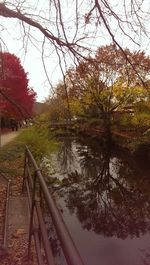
x=36 y=187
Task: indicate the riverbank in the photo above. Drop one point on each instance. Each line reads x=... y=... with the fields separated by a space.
x=130 y=140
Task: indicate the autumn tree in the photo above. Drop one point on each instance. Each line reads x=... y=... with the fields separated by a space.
x=16 y=97
x=59 y=104
x=107 y=82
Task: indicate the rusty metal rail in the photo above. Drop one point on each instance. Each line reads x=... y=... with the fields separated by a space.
x=36 y=186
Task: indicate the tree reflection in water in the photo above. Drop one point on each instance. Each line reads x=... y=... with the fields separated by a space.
x=66 y=155
x=108 y=194
x=108 y=197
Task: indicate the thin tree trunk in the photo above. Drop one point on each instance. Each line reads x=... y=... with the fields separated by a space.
x=107 y=126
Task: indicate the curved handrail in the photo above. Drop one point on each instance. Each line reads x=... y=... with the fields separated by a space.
x=70 y=251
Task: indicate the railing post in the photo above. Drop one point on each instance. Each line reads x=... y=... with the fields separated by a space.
x=32 y=213
x=40 y=202
x=46 y=243
x=25 y=168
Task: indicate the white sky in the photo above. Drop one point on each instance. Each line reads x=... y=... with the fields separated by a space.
x=32 y=63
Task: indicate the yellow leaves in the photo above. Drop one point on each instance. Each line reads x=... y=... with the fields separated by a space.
x=76 y=107
x=141 y=119
x=129 y=94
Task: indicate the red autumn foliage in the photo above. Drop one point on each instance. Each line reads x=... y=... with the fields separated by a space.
x=14 y=84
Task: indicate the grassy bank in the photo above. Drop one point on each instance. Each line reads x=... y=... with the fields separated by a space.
x=12 y=154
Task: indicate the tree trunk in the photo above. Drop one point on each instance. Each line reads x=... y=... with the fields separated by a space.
x=107 y=126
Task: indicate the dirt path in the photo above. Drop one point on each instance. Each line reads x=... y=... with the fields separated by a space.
x=8 y=137
x=16 y=249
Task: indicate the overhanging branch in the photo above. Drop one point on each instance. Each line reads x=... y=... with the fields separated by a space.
x=6 y=12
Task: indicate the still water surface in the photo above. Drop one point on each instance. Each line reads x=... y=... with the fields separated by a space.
x=104 y=197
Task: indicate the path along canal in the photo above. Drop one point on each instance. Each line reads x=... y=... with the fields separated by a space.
x=104 y=197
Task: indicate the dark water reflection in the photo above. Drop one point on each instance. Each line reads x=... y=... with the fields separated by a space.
x=104 y=197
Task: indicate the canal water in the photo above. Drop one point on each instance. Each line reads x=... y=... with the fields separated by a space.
x=104 y=197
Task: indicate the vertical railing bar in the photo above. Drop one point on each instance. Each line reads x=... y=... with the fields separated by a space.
x=28 y=193
x=35 y=213
x=38 y=215
x=25 y=167
x=35 y=233
x=46 y=243
x=30 y=177
x=38 y=248
x=31 y=214
x=40 y=197
x=29 y=200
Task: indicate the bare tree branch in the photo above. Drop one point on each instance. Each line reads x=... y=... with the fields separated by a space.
x=6 y=12
x=116 y=42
